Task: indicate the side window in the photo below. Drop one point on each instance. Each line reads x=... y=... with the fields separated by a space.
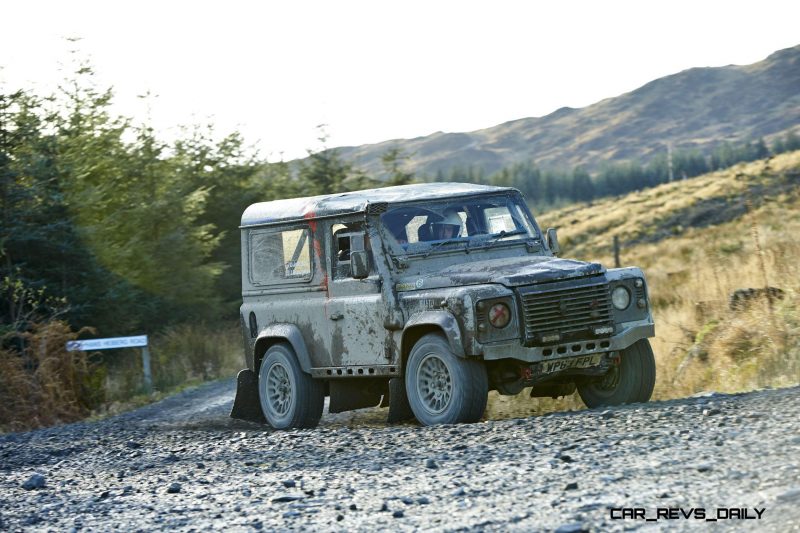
x=343 y=234
x=280 y=256
x=499 y=219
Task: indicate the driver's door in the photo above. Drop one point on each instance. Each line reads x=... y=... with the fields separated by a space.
x=355 y=308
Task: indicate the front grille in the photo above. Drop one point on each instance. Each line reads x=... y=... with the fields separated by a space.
x=567 y=310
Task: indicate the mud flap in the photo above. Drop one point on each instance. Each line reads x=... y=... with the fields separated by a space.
x=247 y=405
x=399 y=408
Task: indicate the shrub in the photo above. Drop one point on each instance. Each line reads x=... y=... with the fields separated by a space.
x=41 y=383
x=196 y=352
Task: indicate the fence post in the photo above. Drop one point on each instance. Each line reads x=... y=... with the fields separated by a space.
x=148 y=377
x=616 y=252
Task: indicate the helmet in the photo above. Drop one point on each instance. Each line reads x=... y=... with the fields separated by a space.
x=450 y=220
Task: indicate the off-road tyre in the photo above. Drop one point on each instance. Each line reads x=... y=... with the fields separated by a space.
x=466 y=380
x=633 y=382
x=289 y=397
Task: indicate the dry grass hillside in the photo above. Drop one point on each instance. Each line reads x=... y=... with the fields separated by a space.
x=696 y=108
x=699 y=241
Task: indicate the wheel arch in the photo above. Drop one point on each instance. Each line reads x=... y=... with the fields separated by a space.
x=431 y=322
x=275 y=333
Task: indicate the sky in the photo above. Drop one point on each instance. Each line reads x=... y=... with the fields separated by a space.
x=374 y=70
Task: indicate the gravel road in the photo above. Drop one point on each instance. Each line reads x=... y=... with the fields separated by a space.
x=182 y=464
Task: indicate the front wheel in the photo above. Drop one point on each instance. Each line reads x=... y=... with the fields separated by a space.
x=443 y=388
x=289 y=397
x=631 y=381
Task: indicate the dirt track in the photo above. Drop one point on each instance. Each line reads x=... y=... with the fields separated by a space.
x=183 y=464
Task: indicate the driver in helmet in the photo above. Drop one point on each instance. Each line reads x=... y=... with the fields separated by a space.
x=449 y=227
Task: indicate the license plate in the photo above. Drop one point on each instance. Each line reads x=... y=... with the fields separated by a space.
x=584 y=361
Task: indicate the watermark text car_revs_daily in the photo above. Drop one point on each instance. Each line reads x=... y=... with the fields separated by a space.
x=693 y=513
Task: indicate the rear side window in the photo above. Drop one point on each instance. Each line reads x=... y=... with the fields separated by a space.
x=343 y=234
x=280 y=256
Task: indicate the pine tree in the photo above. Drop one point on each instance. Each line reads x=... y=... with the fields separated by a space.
x=582 y=188
x=393 y=161
x=791 y=142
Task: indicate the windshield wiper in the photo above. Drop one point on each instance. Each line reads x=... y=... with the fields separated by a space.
x=439 y=244
x=504 y=233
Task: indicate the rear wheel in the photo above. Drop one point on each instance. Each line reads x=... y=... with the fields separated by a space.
x=289 y=397
x=631 y=381
x=443 y=388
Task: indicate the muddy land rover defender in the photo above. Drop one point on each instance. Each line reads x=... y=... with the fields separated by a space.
x=424 y=298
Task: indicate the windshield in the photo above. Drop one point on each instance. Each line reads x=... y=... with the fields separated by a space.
x=469 y=223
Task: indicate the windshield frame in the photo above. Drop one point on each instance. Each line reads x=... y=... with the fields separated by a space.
x=532 y=232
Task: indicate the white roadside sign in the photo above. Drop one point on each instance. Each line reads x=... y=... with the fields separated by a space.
x=111 y=343
x=107 y=344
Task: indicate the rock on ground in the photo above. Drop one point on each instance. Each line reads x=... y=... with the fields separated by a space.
x=183 y=464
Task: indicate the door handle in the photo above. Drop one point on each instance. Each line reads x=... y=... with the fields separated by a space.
x=336 y=316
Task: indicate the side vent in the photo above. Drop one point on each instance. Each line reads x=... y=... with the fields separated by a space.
x=377 y=208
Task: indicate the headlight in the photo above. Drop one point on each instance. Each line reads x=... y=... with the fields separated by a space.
x=621 y=298
x=499 y=315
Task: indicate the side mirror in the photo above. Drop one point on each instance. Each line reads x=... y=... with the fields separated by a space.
x=359 y=264
x=552 y=241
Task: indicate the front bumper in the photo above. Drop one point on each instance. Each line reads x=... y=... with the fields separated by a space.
x=631 y=332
